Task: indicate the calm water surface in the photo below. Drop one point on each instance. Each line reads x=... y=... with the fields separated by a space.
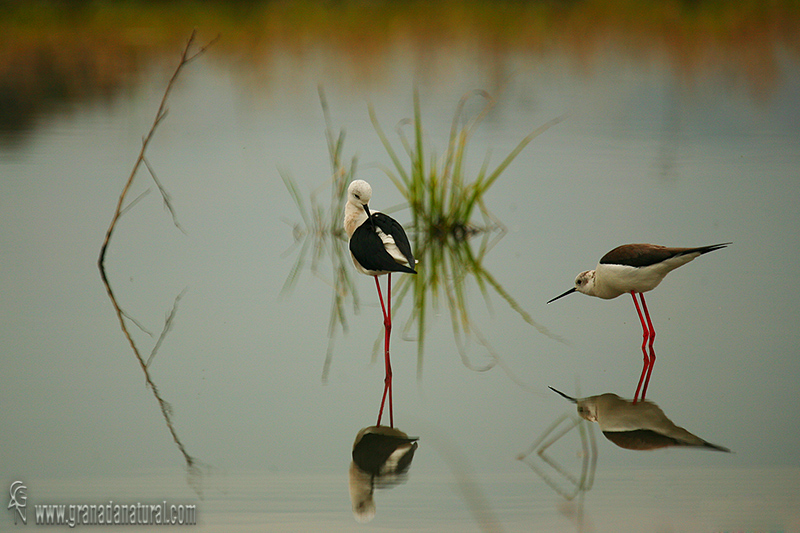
x=645 y=156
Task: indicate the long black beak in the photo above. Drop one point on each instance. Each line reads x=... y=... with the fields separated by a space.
x=570 y=398
x=573 y=289
x=369 y=216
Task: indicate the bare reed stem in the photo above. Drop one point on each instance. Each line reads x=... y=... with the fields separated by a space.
x=166 y=408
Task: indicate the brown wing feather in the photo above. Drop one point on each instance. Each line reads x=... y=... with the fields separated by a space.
x=642 y=255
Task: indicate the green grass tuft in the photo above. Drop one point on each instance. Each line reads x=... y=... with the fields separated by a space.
x=452 y=229
x=448 y=213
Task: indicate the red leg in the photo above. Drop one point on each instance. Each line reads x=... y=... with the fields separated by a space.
x=649 y=344
x=645 y=334
x=389 y=298
x=387 y=325
x=380 y=297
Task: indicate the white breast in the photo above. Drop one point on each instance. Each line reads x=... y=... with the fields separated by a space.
x=354 y=216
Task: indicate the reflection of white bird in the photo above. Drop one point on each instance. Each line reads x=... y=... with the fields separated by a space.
x=381 y=457
x=361 y=494
x=635 y=426
x=378 y=245
x=636 y=269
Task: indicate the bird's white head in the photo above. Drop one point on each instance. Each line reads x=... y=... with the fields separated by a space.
x=359 y=193
x=584 y=282
x=356 y=211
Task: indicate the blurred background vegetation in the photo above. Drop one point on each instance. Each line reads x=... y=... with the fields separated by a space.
x=57 y=53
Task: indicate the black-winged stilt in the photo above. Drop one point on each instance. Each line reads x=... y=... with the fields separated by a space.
x=378 y=245
x=381 y=457
x=636 y=269
x=635 y=426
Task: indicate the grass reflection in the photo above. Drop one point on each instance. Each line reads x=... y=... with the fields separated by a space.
x=193 y=472
x=452 y=230
x=321 y=232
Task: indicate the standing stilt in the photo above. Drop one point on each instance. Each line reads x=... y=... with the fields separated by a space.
x=636 y=268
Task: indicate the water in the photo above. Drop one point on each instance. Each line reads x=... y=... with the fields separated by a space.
x=645 y=156
x=705 y=499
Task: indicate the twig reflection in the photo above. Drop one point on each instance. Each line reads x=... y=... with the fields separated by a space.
x=167 y=327
x=572 y=485
x=166 y=408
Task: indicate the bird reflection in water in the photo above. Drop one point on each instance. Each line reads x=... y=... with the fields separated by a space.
x=635 y=426
x=381 y=458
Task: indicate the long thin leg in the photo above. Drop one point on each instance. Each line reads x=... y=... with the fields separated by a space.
x=380 y=297
x=387 y=325
x=388 y=329
x=385 y=387
x=646 y=335
x=650 y=345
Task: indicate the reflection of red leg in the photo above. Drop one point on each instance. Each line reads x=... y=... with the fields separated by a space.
x=387 y=325
x=649 y=344
x=645 y=334
x=383 y=400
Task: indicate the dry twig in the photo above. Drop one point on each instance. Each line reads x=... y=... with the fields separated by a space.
x=166 y=408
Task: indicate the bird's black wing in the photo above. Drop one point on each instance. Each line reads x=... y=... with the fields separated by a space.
x=638 y=255
x=368 y=249
x=392 y=227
